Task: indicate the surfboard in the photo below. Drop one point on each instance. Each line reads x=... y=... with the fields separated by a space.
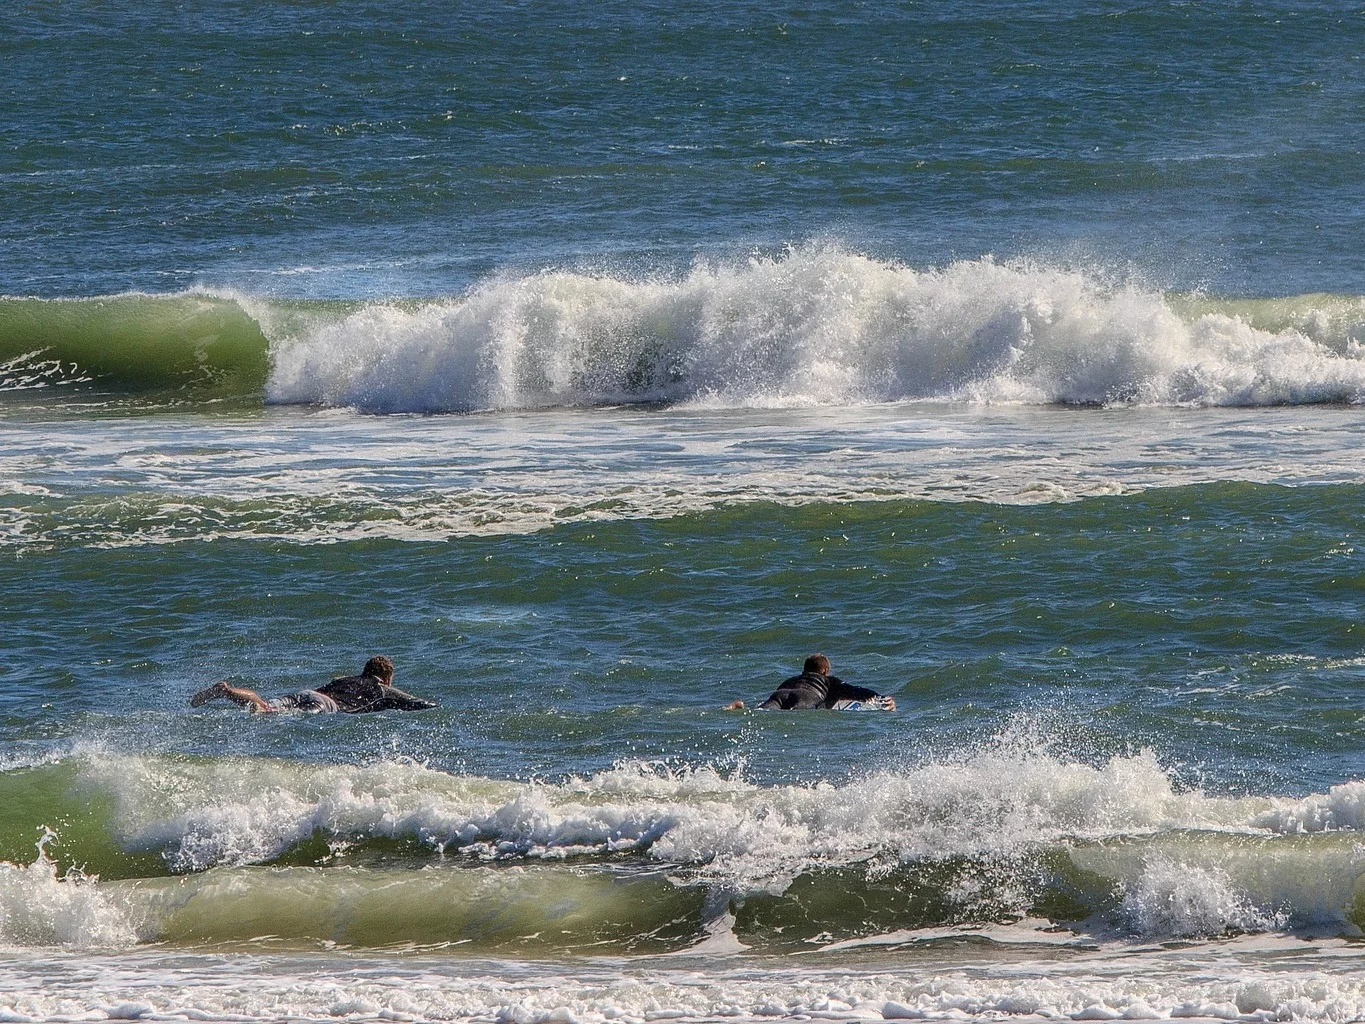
x=871 y=704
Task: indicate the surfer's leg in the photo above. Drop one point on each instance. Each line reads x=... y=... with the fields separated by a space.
x=239 y=695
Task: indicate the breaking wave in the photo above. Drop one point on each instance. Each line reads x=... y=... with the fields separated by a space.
x=817 y=325
x=645 y=857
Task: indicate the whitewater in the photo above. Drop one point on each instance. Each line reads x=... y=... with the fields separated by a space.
x=817 y=325
x=509 y=861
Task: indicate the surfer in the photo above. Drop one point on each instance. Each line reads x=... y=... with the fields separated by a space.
x=816 y=688
x=372 y=690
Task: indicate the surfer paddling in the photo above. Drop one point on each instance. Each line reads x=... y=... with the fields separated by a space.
x=372 y=690
x=816 y=688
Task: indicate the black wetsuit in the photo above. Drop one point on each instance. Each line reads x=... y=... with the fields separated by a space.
x=357 y=695
x=813 y=690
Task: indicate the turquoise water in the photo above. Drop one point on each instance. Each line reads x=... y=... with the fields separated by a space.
x=598 y=366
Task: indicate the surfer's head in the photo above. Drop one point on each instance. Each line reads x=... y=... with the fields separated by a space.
x=817 y=663
x=380 y=667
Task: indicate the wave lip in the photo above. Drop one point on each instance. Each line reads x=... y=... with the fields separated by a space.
x=234 y=812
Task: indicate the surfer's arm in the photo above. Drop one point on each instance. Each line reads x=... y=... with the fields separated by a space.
x=240 y=695
x=401 y=700
x=840 y=690
x=391 y=698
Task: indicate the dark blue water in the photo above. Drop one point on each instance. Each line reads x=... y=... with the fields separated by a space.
x=353 y=148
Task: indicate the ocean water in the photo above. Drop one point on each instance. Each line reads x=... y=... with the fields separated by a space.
x=598 y=364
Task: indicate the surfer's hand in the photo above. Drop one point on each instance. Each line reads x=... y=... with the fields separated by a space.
x=890 y=703
x=735 y=705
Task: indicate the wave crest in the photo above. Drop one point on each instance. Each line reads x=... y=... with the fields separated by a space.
x=1008 y=833
x=817 y=325
x=820 y=325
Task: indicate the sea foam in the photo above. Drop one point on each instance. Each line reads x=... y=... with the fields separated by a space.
x=1098 y=988
x=240 y=811
x=1184 y=862
x=38 y=907
x=982 y=836
x=817 y=325
x=1169 y=897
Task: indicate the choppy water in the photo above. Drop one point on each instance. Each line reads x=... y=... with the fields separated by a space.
x=599 y=366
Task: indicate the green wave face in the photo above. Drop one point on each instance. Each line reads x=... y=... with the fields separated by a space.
x=526 y=910
x=1200 y=885
x=199 y=345
x=544 y=909
x=1335 y=321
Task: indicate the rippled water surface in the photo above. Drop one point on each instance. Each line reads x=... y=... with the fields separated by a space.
x=598 y=366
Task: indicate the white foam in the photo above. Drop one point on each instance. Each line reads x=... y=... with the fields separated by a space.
x=241 y=811
x=1229 y=985
x=1171 y=897
x=997 y=804
x=1003 y=800
x=40 y=908
x=32 y=371
x=818 y=325
x=319 y=477
x=1341 y=807
x=1184 y=862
